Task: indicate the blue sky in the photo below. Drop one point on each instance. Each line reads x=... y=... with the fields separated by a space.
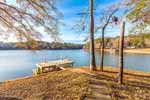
x=70 y=8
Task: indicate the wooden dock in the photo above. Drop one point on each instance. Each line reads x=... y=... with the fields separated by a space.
x=50 y=66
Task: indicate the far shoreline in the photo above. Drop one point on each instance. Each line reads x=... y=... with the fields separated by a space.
x=41 y=49
x=129 y=51
x=132 y=51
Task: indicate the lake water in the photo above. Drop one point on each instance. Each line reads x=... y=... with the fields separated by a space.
x=19 y=63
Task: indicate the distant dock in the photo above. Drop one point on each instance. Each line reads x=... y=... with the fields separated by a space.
x=50 y=66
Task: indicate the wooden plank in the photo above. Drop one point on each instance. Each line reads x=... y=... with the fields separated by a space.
x=54 y=63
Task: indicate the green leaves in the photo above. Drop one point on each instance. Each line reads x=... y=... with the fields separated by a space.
x=139 y=16
x=137 y=11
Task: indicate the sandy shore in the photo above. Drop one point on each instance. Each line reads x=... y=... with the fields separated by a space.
x=140 y=51
x=136 y=51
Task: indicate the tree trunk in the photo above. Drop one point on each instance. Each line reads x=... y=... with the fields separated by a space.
x=120 y=78
x=92 y=47
x=102 y=50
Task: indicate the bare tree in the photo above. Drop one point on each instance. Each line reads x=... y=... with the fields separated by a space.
x=92 y=47
x=105 y=19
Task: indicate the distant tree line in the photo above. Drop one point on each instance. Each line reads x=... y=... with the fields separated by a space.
x=38 y=45
x=141 y=40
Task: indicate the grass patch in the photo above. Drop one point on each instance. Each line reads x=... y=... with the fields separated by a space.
x=77 y=83
x=61 y=85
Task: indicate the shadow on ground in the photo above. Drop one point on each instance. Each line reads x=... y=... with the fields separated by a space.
x=8 y=98
x=104 y=86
